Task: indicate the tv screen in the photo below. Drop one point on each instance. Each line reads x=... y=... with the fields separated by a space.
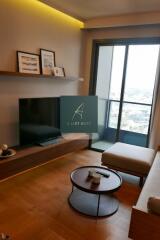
x=39 y=120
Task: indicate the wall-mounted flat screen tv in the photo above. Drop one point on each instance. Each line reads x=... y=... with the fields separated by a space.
x=39 y=120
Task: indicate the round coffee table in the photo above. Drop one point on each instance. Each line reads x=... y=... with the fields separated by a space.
x=92 y=199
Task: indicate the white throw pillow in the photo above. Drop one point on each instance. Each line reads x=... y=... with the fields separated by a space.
x=154 y=204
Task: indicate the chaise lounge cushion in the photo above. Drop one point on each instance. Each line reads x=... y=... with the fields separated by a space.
x=129 y=158
x=151 y=187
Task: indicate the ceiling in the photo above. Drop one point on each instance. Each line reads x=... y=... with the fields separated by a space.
x=87 y=9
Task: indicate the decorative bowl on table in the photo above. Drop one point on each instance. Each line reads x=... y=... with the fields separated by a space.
x=6 y=152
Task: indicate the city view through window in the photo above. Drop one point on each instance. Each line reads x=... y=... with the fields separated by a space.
x=139 y=86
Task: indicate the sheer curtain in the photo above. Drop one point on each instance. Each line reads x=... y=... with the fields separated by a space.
x=102 y=88
x=155 y=120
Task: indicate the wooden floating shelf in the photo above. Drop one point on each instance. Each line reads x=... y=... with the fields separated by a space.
x=18 y=74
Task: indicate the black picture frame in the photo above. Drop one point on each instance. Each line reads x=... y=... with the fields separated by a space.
x=47 y=60
x=28 y=62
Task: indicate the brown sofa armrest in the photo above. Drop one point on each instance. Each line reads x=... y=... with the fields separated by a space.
x=139 y=219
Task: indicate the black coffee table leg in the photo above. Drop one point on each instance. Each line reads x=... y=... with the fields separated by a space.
x=72 y=189
x=99 y=196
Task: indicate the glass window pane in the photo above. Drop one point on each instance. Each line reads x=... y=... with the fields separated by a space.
x=135 y=118
x=102 y=91
x=113 y=114
x=141 y=71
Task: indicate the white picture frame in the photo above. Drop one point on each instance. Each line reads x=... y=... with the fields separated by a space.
x=47 y=61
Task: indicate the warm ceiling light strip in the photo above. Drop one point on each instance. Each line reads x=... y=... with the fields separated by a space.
x=50 y=10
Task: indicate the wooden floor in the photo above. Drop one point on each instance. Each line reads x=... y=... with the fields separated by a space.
x=33 y=205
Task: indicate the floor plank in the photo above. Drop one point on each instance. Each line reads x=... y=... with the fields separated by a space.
x=33 y=205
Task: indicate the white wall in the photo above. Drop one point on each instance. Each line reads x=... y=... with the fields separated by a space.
x=28 y=26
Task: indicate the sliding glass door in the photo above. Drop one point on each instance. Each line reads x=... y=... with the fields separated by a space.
x=124 y=83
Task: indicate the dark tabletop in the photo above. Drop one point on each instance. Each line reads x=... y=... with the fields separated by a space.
x=80 y=179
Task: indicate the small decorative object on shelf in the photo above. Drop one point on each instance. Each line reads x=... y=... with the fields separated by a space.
x=58 y=72
x=28 y=62
x=47 y=61
x=3 y=236
x=6 y=152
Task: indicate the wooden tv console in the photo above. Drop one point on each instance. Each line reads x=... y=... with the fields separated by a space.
x=29 y=157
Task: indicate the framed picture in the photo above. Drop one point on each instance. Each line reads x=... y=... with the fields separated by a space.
x=28 y=62
x=58 y=72
x=47 y=61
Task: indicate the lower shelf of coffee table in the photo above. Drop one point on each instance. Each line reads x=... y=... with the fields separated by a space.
x=87 y=203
